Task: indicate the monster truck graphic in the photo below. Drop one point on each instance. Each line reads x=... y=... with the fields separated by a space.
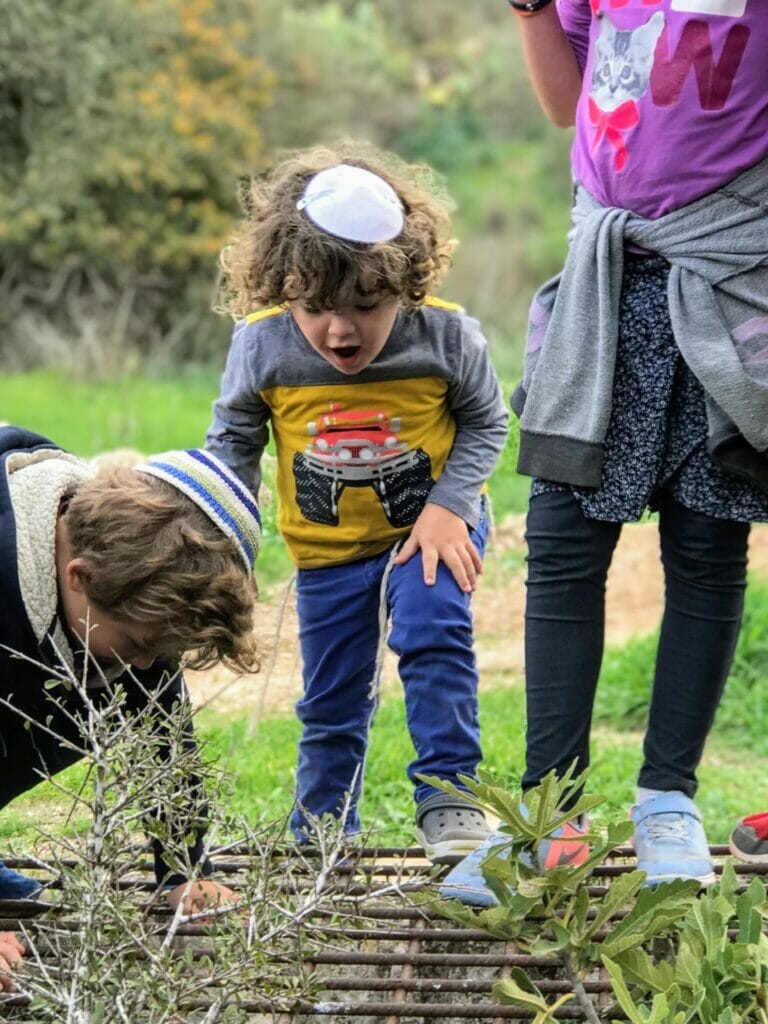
x=360 y=448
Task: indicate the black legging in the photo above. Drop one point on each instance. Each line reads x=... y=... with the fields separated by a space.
x=705 y=566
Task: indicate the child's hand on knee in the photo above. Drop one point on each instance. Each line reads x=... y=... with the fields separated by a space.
x=443 y=536
x=197 y=897
x=11 y=952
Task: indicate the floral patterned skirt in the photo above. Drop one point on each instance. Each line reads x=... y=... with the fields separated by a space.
x=657 y=435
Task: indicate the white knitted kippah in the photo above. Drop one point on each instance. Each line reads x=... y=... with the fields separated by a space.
x=354 y=204
x=215 y=489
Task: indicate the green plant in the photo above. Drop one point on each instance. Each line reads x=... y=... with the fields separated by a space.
x=669 y=953
x=717 y=971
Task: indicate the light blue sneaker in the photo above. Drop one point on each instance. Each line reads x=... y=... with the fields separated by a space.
x=465 y=881
x=669 y=840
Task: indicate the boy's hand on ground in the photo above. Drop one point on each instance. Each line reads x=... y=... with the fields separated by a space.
x=11 y=952
x=442 y=536
x=199 y=896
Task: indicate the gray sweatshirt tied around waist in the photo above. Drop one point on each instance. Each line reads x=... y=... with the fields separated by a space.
x=718 y=301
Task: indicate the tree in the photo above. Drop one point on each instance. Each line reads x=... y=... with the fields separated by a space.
x=123 y=130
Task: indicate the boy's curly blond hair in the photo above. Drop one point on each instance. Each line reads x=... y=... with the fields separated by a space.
x=155 y=559
x=277 y=255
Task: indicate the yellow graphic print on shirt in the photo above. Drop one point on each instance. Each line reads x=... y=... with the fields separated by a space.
x=355 y=463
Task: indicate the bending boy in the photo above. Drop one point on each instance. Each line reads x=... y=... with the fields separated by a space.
x=115 y=573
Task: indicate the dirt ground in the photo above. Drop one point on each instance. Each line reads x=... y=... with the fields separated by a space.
x=633 y=601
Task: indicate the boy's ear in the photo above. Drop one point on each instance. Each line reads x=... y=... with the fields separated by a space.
x=77 y=573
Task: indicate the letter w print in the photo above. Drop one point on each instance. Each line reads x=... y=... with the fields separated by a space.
x=694 y=52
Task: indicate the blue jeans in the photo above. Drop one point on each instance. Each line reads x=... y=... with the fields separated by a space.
x=705 y=565
x=340 y=624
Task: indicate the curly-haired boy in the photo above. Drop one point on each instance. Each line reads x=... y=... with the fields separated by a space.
x=387 y=419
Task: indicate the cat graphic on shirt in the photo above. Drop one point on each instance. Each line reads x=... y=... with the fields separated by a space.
x=621 y=73
x=623 y=62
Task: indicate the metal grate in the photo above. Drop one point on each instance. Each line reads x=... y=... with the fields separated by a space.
x=379 y=952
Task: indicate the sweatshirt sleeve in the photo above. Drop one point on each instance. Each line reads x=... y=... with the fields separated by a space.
x=479 y=410
x=239 y=432
x=576 y=19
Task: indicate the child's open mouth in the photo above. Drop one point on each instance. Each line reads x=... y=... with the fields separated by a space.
x=346 y=353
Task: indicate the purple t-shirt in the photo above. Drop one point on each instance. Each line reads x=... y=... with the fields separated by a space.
x=675 y=97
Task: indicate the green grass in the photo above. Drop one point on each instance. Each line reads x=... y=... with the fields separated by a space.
x=89 y=417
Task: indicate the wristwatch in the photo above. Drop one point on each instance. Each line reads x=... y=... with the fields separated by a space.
x=526 y=7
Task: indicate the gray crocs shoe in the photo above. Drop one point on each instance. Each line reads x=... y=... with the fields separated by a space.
x=449 y=829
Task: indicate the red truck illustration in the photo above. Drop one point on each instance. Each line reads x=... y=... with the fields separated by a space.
x=360 y=448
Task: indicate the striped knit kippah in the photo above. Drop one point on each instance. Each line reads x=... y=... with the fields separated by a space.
x=216 y=490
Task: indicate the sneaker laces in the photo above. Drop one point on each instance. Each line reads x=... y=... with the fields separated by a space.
x=664 y=826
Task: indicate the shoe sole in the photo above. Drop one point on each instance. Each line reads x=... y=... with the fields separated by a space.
x=450 y=851
x=748 y=858
x=469 y=895
x=703 y=880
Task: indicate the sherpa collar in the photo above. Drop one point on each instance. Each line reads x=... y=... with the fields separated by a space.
x=37 y=482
